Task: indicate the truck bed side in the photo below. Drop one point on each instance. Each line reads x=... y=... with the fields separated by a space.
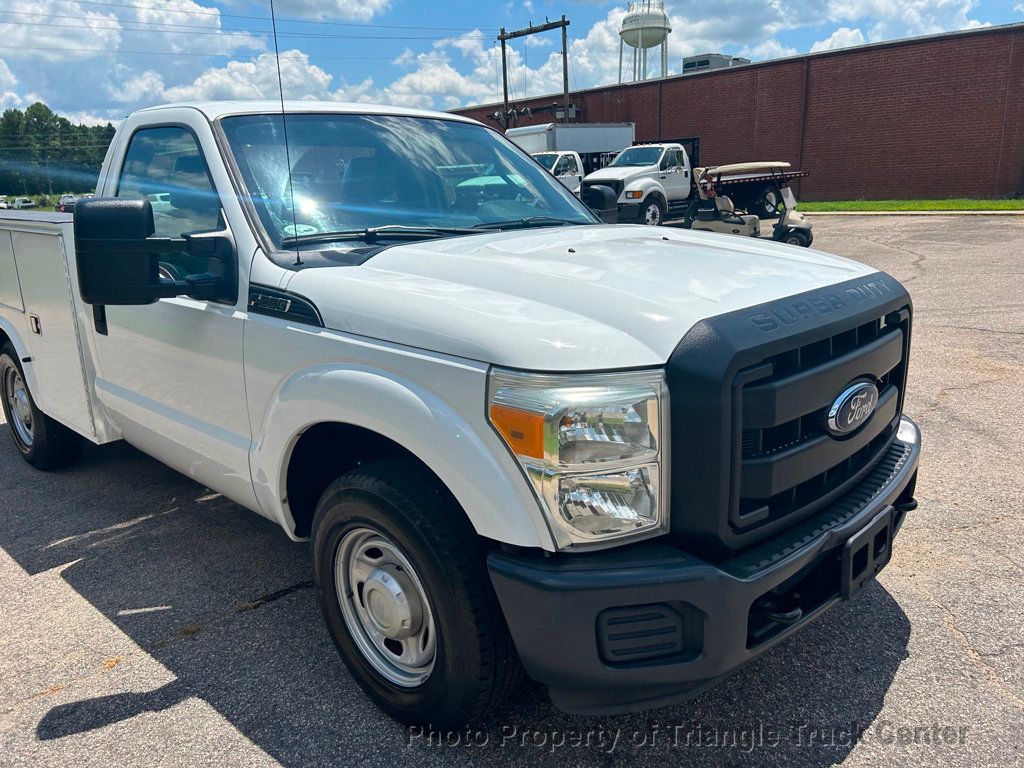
x=44 y=318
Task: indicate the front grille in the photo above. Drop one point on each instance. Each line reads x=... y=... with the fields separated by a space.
x=750 y=391
x=615 y=185
x=794 y=433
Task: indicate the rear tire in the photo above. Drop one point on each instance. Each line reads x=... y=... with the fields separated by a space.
x=44 y=443
x=390 y=541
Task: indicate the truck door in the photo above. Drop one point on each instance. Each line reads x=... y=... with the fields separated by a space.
x=567 y=171
x=170 y=374
x=675 y=175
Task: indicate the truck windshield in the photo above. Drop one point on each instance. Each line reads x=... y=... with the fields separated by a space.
x=546 y=159
x=636 y=156
x=355 y=172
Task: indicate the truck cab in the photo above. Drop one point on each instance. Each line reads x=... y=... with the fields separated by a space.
x=567 y=167
x=651 y=181
x=517 y=439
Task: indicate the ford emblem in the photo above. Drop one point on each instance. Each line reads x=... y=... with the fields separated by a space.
x=852 y=408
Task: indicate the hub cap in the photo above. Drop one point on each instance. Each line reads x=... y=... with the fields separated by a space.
x=19 y=405
x=652 y=215
x=385 y=607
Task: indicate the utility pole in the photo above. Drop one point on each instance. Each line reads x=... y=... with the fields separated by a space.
x=565 y=71
x=504 y=79
x=504 y=36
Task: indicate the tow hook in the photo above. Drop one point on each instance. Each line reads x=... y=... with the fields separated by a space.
x=772 y=611
x=906 y=506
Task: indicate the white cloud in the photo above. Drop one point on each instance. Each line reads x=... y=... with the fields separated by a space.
x=29 y=33
x=844 y=37
x=7 y=78
x=891 y=19
x=328 y=10
x=768 y=49
x=8 y=98
x=167 y=24
x=256 y=78
x=1019 y=8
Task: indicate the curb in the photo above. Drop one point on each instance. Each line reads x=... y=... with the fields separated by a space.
x=911 y=213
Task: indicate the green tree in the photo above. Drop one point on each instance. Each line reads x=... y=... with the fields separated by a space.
x=44 y=153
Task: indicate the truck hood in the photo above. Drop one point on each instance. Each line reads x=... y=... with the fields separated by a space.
x=620 y=174
x=562 y=299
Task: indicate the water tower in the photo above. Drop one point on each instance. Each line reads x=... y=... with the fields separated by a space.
x=644 y=26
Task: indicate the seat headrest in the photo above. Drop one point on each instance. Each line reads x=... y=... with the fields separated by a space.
x=189 y=164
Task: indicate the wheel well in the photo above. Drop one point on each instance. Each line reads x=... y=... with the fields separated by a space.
x=4 y=338
x=323 y=453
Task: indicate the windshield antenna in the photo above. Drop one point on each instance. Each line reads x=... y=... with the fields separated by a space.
x=284 y=128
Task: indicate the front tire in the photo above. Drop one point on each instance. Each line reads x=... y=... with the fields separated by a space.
x=798 y=237
x=406 y=595
x=44 y=443
x=652 y=211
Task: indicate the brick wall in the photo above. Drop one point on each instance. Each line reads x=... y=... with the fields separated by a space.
x=934 y=117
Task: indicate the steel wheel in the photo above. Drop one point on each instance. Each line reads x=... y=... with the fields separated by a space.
x=652 y=213
x=385 y=607
x=19 y=406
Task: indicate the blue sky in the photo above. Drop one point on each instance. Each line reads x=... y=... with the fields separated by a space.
x=99 y=59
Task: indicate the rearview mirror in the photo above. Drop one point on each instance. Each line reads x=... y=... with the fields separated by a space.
x=601 y=200
x=118 y=257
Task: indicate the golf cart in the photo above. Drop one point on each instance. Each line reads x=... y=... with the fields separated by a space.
x=713 y=210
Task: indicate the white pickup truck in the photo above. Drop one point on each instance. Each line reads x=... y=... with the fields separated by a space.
x=567 y=167
x=624 y=460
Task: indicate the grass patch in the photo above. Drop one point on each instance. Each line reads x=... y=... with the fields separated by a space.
x=955 y=204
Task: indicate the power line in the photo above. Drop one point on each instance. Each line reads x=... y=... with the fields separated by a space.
x=228 y=55
x=132 y=6
x=198 y=30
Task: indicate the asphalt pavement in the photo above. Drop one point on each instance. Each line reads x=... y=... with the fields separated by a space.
x=146 y=621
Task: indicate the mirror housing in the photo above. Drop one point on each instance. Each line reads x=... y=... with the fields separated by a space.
x=118 y=258
x=603 y=201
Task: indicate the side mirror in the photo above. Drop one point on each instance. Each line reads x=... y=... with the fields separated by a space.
x=601 y=200
x=119 y=258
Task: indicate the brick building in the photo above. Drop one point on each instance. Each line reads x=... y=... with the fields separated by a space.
x=937 y=116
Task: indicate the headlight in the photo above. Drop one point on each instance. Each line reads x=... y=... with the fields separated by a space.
x=593 y=447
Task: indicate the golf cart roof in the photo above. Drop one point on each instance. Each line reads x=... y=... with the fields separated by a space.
x=767 y=165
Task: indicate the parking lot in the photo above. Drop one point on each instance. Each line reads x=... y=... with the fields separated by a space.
x=146 y=621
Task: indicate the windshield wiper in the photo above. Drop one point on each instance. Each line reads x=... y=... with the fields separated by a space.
x=527 y=222
x=373 y=234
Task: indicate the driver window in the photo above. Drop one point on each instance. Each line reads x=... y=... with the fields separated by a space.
x=562 y=167
x=166 y=166
x=570 y=165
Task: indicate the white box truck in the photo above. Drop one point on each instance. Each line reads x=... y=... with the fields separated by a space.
x=589 y=140
x=624 y=460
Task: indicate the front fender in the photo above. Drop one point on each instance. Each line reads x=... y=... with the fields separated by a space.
x=646 y=184
x=469 y=458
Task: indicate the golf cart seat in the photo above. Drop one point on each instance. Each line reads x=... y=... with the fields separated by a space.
x=727 y=212
x=724 y=205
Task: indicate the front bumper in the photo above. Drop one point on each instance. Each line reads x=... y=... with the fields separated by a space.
x=648 y=624
x=630 y=213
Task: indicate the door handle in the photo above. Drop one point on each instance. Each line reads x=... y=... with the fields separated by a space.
x=664 y=177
